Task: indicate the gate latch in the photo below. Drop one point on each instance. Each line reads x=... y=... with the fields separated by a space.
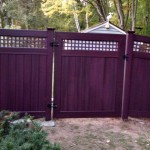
x=50 y=106
x=54 y=44
x=125 y=57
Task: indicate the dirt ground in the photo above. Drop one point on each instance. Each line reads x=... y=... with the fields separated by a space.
x=100 y=134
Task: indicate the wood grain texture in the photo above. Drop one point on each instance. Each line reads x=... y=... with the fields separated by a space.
x=87 y=82
x=140 y=87
x=24 y=74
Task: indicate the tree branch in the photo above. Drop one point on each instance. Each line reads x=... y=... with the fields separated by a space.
x=134 y=9
x=121 y=14
x=127 y=15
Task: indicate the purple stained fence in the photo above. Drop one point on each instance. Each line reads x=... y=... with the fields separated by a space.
x=88 y=75
x=140 y=78
x=93 y=77
x=136 y=97
x=25 y=71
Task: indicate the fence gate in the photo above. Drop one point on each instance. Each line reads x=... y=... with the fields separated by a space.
x=91 y=77
x=88 y=74
x=25 y=71
x=136 y=96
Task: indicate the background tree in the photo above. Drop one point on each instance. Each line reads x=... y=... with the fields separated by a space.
x=75 y=15
x=71 y=9
x=143 y=18
x=101 y=6
x=3 y=13
x=126 y=11
x=22 y=14
x=67 y=7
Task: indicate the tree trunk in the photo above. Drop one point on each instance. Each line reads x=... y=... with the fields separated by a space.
x=2 y=21
x=127 y=14
x=76 y=19
x=121 y=14
x=100 y=9
x=134 y=10
x=116 y=9
x=87 y=19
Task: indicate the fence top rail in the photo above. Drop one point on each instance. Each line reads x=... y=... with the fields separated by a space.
x=23 y=33
x=141 y=38
x=141 y=44
x=90 y=36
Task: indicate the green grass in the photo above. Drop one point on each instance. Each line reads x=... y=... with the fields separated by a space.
x=144 y=140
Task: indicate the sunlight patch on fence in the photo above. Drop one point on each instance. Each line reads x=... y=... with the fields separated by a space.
x=23 y=42
x=141 y=47
x=90 y=45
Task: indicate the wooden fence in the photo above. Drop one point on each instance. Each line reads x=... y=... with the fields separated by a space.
x=136 y=96
x=96 y=75
x=89 y=75
x=25 y=71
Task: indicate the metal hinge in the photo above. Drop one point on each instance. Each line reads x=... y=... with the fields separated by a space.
x=54 y=44
x=50 y=106
x=125 y=57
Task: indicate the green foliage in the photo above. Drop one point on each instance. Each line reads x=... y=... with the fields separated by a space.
x=24 y=14
x=62 y=22
x=65 y=11
x=60 y=14
x=143 y=18
x=144 y=142
x=5 y=118
x=23 y=135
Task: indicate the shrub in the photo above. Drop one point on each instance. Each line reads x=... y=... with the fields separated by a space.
x=23 y=135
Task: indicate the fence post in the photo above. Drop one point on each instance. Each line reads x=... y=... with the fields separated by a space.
x=50 y=39
x=127 y=74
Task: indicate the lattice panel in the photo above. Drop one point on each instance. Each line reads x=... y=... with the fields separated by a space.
x=141 y=47
x=23 y=42
x=90 y=45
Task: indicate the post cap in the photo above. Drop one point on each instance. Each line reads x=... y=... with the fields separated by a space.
x=131 y=32
x=50 y=28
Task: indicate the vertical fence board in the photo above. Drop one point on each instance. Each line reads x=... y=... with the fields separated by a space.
x=4 y=81
x=42 y=83
x=12 y=83
x=140 y=87
x=19 y=82
x=34 y=82
x=0 y=84
x=110 y=84
x=64 y=89
x=120 y=73
x=87 y=83
x=27 y=82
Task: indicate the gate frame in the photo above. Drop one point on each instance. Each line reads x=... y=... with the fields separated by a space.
x=59 y=36
x=127 y=74
x=50 y=39
x=133 y=52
